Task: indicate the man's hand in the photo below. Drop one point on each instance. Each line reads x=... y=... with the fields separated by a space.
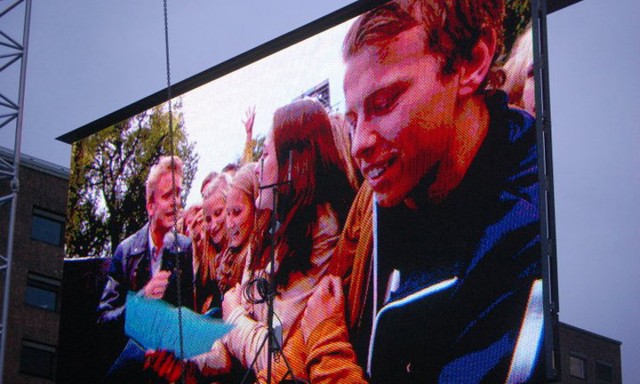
x=326 y=301
x=164 y=365
x=156 y=287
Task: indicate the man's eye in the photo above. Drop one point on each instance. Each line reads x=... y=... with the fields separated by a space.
x=384 y=100
x=381 y=103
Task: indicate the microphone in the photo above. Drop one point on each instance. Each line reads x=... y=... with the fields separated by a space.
x=278 y=183
x=174 y=249
x=290 y=165
x=175 y=258
x=261 y=171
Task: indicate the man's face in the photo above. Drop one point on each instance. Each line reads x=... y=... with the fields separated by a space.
x=240 y=215
x=214 y=209
x=400 y=112
x=161 y=205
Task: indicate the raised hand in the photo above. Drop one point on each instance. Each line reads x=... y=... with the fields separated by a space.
x=249 y=120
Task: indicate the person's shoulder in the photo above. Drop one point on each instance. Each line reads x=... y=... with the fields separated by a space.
x=184 y=241
x=519 y=124
x=135 y=243
x=522 y=126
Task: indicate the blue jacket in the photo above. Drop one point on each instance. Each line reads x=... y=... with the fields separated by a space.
x=130 y=270
x=467 y=306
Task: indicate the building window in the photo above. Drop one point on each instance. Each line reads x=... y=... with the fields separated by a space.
x=47 y=227
x=37 y=359
x=42 y=292
x=604 y=372
x=577 y=367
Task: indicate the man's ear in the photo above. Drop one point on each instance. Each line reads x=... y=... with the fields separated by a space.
x=149 y=206
x=473 y=72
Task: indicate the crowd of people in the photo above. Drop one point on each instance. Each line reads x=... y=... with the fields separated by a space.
x=404 y=233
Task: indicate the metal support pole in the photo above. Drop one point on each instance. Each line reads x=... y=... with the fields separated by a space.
x=15 y=186
x=545 y=173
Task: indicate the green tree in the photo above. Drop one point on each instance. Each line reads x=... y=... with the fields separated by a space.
x=256 y=152
x=108 y=173
x=518 y=16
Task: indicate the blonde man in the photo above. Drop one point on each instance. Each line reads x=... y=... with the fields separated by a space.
x=143 y=263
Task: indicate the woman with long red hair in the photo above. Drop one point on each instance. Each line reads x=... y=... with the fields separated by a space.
x=313 y=201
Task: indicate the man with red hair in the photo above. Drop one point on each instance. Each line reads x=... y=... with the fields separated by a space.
x=441 y=254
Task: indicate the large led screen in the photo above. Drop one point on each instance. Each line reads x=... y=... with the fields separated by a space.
x=376 y=184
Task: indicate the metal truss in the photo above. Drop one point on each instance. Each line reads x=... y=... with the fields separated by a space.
x=12 y=53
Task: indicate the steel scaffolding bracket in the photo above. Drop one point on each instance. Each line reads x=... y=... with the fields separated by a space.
x=11 y=52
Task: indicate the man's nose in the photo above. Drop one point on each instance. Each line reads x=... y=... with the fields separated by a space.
x=363 y=139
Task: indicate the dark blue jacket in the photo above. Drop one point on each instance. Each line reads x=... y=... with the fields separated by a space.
x=470 y=269
x=130 y=270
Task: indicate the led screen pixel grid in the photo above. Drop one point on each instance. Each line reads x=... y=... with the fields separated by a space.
x=450 y=261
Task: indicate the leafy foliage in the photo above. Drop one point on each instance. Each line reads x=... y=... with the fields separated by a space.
x=518 y=16
x=256 y=152
x=107 y=183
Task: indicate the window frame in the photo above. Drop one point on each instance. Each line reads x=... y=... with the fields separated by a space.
x=46 y=283
x=47 y=216
x=42 y=347
x=603 y=363
x=581 y=358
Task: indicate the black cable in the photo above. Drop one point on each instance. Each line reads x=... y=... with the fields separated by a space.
x=259 y=285
x=178 y=266
x=276 y=358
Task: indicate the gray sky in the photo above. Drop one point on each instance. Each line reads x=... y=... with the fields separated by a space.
x=89 y=58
